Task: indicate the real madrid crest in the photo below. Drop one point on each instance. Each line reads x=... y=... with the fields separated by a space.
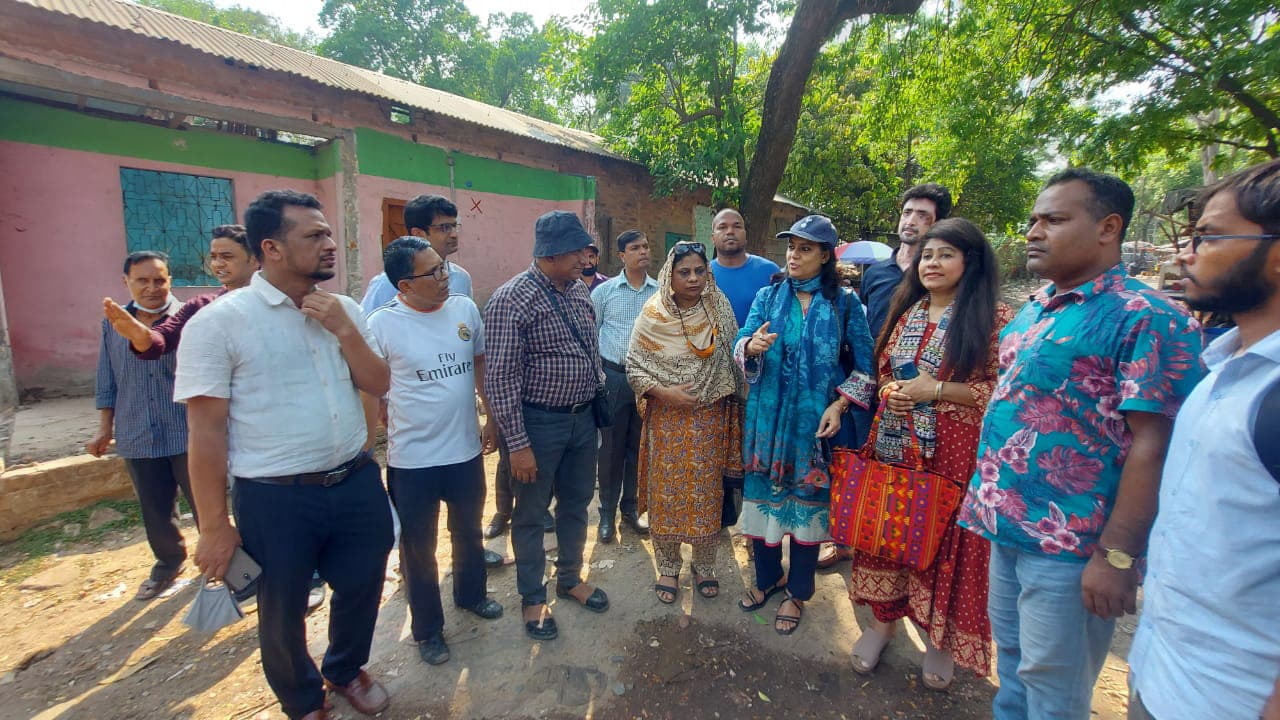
x=464 y=332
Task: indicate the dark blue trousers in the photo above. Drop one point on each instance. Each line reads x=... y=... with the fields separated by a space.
x=618 y=459
x=345 y=532
x=417 y=494
x=564 y=447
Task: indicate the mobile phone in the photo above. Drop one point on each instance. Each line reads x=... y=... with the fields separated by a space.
x=905 y=370
x=242 y=571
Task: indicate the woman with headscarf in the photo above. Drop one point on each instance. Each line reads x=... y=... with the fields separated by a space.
x=804 y=337
x=944 y=323
x=689 y=391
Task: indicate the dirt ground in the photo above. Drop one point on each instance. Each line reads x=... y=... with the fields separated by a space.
x=75 y=644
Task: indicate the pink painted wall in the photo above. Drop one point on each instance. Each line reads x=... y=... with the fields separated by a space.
x=495 y=241
x=62 y=241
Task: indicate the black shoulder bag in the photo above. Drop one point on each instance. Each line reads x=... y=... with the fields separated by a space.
x=1265 y=426
x=601 y=409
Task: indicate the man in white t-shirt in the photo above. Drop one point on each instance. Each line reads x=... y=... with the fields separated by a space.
x=434 y=344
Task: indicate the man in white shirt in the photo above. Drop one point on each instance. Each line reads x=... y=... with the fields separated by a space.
x=434 y=219
x=1208 y=644
x=270 y=376
x=434 y=344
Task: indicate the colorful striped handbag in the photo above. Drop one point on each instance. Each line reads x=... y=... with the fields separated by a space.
x=897 y=512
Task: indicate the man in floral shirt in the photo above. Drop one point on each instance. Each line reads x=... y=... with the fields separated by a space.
x=1092 y=371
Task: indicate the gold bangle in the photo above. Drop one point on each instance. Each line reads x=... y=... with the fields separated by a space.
x=937 y=393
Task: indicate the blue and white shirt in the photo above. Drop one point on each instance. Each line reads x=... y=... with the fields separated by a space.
x=617 y=306
x=148 y=423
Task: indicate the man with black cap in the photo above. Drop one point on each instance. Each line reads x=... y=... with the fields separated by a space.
x=591 y=274
x=542 y=375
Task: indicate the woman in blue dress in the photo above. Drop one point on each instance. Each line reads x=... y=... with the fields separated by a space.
x=807 y=355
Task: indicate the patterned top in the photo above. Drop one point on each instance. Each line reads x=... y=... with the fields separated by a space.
x=148 y=423
x=617 y=306
x=532 y=356
x=1054 y=439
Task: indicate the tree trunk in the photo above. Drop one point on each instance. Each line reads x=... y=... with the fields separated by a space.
x=813 y=23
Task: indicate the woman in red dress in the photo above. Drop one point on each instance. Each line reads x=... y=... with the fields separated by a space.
x=945 y=320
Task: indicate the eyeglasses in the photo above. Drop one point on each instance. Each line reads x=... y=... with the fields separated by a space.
x=684 y=248
x=445 y=227
x=439 y=272
x=1197 y=239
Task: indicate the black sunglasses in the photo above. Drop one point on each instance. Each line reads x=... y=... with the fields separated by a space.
x=684 y=248
x=1197 y=239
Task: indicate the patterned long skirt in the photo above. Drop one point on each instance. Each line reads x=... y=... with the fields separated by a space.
x=949 y=600
x=684 y=455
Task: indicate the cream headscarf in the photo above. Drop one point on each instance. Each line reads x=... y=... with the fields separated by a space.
x=670 y=346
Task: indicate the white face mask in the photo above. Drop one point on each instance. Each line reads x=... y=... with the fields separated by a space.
x=153 y=311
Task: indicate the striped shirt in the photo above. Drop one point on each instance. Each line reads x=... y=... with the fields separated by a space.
x=617 y=306
x=531 y=356
x=148 y=423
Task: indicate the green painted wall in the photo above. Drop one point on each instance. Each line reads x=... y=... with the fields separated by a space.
x=389 y=156
x=53 y=127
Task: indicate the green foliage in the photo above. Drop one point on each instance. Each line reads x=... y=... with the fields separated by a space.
x=237 y=19
x=22 y=556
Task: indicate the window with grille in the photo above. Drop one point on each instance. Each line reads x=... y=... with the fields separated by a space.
x=176 y=213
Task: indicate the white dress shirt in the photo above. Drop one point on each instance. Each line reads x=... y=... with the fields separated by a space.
x=294 y=407
x=1208 y=644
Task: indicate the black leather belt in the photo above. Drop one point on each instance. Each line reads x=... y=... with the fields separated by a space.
x=327 y=478
x=561 y=409
x=614 y=366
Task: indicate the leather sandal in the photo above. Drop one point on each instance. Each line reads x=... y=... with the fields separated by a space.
x=151 y=588
x=787 y=624
x=705 y=584
x=671 y=590
x=596 y=602
x=778 y=587
x=544 y=628
x=867 y=651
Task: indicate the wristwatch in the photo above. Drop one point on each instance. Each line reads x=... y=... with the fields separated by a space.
x=1118 y=559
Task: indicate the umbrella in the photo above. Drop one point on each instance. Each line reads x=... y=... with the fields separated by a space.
x=863 y=252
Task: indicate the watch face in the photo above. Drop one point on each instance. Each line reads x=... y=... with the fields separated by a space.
x=1120 y=559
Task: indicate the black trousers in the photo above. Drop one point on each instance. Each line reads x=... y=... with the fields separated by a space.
x=417 y=494
x=156 y=482
x=616 y=462
x=800 y=576
x=503 y=500
x=345 y=532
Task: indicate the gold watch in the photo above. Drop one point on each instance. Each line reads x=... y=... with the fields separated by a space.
x=1118 y=559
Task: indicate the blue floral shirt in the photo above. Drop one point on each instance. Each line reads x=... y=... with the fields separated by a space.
x=1054 y=438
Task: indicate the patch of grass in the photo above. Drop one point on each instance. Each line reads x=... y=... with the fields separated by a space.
x=22 y=556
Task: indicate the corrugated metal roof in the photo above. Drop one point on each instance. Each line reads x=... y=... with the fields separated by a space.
x=226 y=44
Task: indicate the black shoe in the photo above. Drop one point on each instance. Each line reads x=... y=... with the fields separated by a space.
x=606 y=533
x=596 y=602
x=497 y=526
x=433 y=650
x=641 y=527
x=488 y=608
x=540 y=630
x=492 y=559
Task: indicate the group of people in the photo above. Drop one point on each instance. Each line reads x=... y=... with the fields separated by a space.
x=1068 y=422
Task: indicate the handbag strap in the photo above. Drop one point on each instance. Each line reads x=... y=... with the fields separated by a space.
x=555 y=302
x=912 y=446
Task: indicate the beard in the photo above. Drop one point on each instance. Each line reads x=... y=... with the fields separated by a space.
x=589 y=271
x=1243 y=288
x=319 y=275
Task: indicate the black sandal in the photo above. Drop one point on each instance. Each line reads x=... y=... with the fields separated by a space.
x=777 y=588
x=596 y=602
x=791 y=622
x=544 y=628
x=672 y=590
x=709 y=583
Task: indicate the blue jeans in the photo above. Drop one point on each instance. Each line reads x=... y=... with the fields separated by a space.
x=1050 y=648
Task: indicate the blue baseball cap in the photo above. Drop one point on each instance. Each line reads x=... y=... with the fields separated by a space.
x=814 y=228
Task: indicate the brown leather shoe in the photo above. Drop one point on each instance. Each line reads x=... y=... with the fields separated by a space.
x=364 y=693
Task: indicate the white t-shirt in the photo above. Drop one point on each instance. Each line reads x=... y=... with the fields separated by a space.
x=293 y=406
x=431 y=409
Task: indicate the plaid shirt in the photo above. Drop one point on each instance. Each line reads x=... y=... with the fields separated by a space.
x=148 y=423
x=531 y=356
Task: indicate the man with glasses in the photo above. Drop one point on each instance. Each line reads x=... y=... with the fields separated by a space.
x=1208 y=644
x=433 y=342
x=434 y=219
x=618 y=303
x=542 y=375
x=1092 y=371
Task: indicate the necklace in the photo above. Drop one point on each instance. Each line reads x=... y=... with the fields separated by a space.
x=702 y=353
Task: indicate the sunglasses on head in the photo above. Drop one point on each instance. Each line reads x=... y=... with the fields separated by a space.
x=684 y=248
